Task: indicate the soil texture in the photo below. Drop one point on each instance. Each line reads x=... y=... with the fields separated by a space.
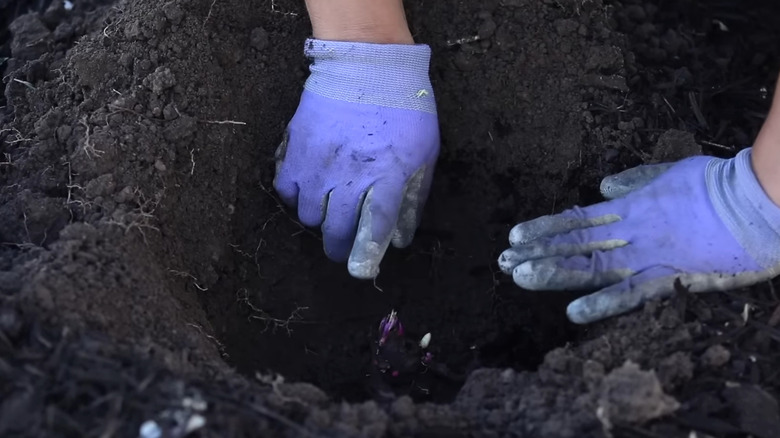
x=153 y=285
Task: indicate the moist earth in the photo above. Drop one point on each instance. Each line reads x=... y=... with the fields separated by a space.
x=150 y=277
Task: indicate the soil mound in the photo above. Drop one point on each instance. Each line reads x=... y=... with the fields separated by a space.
x=152 y=283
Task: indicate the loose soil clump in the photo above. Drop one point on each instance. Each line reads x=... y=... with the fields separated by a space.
x=152 y=282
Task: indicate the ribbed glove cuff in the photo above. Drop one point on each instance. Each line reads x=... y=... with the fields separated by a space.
x=388 y=75
x=740 y=201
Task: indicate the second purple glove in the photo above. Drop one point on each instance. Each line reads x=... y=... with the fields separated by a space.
x=358 y=157
x=703 y=224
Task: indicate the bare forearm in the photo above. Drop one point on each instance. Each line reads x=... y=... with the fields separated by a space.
x=766 y=152
x=370 y=21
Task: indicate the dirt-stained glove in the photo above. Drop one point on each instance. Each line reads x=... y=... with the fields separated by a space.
x=359 y=154
x=704 y=223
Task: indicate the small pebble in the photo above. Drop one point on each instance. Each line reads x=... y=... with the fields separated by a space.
x=150 y=429
x=259 y=38
x=715 y=356
x=195 y=422
x=10 y=322
x=487 y=29
x=636 y=13
x=403 y=407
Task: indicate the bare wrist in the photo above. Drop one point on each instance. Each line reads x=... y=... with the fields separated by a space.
x=365 y=34
x=766 y=165
x=369 y=21
x=766 y=153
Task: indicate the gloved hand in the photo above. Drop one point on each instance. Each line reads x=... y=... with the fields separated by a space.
x=359 y=154
x=703 y=221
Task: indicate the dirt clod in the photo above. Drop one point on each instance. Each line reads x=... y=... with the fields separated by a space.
x=674 y=145
x=715 y=356
x=147 y=266
x=756 y=410
x=632 y=396
x=31 y=37
x=675 y=370
x=161 y=80
x=259 y=38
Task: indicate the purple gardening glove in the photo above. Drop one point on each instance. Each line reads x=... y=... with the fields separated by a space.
x=705 y=222
x=359 y=154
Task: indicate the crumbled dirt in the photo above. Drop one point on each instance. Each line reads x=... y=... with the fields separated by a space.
x=148 y=272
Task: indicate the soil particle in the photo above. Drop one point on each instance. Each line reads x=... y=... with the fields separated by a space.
x=675 y=370
x=149 y=261
x=173 y=12
x=715 y=356
x=605 y=59
x=592 y=372
x=487 y=29
x=31 y=38
x=180 y=128
x=93 y=72
x=103 y=185
x=259 y=38
x=756 y=410
x=161 y=80
x=609 y=82
x=10 y=322
x=674 y=145
x=632 y=396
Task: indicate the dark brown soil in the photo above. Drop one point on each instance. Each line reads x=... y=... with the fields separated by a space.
x=146 y=264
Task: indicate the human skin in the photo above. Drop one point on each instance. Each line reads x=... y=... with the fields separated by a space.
x=766 y=153
x=365 y=21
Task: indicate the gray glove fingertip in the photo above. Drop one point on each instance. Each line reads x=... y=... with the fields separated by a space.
x=367 y=254
x=621 y=184
x=529 y=231
x=519 y=254
x=509 y=260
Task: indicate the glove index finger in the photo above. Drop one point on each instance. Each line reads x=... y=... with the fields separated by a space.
x=374 y=233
